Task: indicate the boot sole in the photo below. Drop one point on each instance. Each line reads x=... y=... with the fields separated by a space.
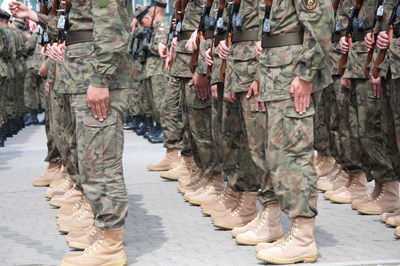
x=397 y=233
x=249 y=242
x=341 y=201
x=363 y=211
x=306 y=259
x=184 y=191
x=48 y=196
x=78 y=246
x=195 y=202
x=227 y=226
x=169 y=178
x=121 y=262
x=158 y=169
x=394 y=224
x=66 y=229
x=41 y=184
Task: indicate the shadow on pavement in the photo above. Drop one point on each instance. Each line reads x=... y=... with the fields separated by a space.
x=143 y=232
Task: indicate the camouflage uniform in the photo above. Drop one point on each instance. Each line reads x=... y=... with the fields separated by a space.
x=240 y=72
x=289 y=136
x=32 y=79
x=4 y=74
x=10 y=97
x=196 y=113
x=365 y=112
x=96 y=147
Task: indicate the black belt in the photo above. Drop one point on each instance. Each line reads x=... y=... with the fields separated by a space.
x=184 y=35
x=219 y=38
x=245 y=36
x=271 y=41
x=79 y=37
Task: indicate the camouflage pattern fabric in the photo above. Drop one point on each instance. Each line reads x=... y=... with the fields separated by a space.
x=216 y=124
x=32 y=84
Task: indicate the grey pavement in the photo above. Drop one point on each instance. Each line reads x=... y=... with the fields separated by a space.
x=161 y=228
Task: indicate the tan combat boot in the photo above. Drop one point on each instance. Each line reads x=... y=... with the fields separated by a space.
x=196 y=188
x=69 y=198
x=193 y=176
x=52 y=173
x=61 y=189
x=196 y=181
x=58 y=181
x=375 y=193
x=80 y=220
x=386 y=215
x=243 y=229
x=397 y=231
x=244 y=213
x=267 y=229
x=298 y=245
x=226 y=202
x=69 y=210
x=182 y=169
x=323 y=164
x=170 y=160
x=86 y=240
x=358 y=188
x=337 y=178
x=77 y=234
x=393 y=220
x=107 y=250
x=387 y=200
x=212 y=191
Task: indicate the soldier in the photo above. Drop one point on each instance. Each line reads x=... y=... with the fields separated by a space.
x=388 y=88
x=96 y=98
x=4 y=73
x=293 y=71
x=365 y=113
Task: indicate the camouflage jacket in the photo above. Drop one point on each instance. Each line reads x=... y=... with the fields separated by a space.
x=103 y=62
x=357 y=56
x=392 y=60
x=154 y=63
x=135 y=40
x=182 y=56
x=30 y=47
x=279 y=66
x=242 y=54
x=4 y=49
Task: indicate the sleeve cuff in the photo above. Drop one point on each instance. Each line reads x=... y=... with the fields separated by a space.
x=102 y=81
x=304 y=73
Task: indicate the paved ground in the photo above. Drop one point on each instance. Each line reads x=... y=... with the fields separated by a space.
x=161 y=228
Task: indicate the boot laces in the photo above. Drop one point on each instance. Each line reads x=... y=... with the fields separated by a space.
x=239 y=207
x=381 y=193
x=63 y=184
x=69 y=192
x=291 y=234
x=97 y=244
x=263 y=218
x=224 y=197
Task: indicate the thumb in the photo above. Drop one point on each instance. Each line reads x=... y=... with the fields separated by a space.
x=249 y=93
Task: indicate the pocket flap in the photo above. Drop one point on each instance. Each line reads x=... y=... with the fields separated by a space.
x=291 y=112
x=276 y=57
x=90 y=121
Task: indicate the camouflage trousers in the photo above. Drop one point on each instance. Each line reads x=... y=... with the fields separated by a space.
x=289 y=139
x=216 y=125
x=366 y=131
x=97 y=154
x=197 y=124
x=3 y=115
x=32 y=84
x=135 y=108
x=20 y=102
x=53 y=153
x=239 y=169
x=10 y=99
x=156 y=87
x=326 y=121
x=171 y=115
x=391 y=122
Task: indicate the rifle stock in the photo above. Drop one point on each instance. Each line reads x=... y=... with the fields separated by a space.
x=370 y=56
x=180 y=11
x=381 y=55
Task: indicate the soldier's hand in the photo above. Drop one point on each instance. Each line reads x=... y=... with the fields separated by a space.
x=134 y=23
x=223 y=49
x=257 y=50
x=59 y=50
x=209 y=61
x=214 y=92
x=369 y=41
x=383 y=40
x=301 y=91
x=253 y=90
x=344 y=45
x=20 y=10
x=98 y=100
x=200 y=86
x=345 y=82
x=230 y=97
x=162 y=51
x=191 y=43
x=376 y=86
x=43 y=71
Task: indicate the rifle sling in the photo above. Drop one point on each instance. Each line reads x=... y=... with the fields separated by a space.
x=244 y=36
x=337 y=35
x=79 y=37
x=184 y=35
x=272 y=41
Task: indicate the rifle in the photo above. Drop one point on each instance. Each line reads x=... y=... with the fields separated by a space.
x=170 y=34
x=200 y=35
x=228 y=37
x=335 y=6
x=180 y=15
x=389 y=31
x=43 y=7
x=219 y=30
x=349 y=31
x=378 y=15
x=147 y=37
